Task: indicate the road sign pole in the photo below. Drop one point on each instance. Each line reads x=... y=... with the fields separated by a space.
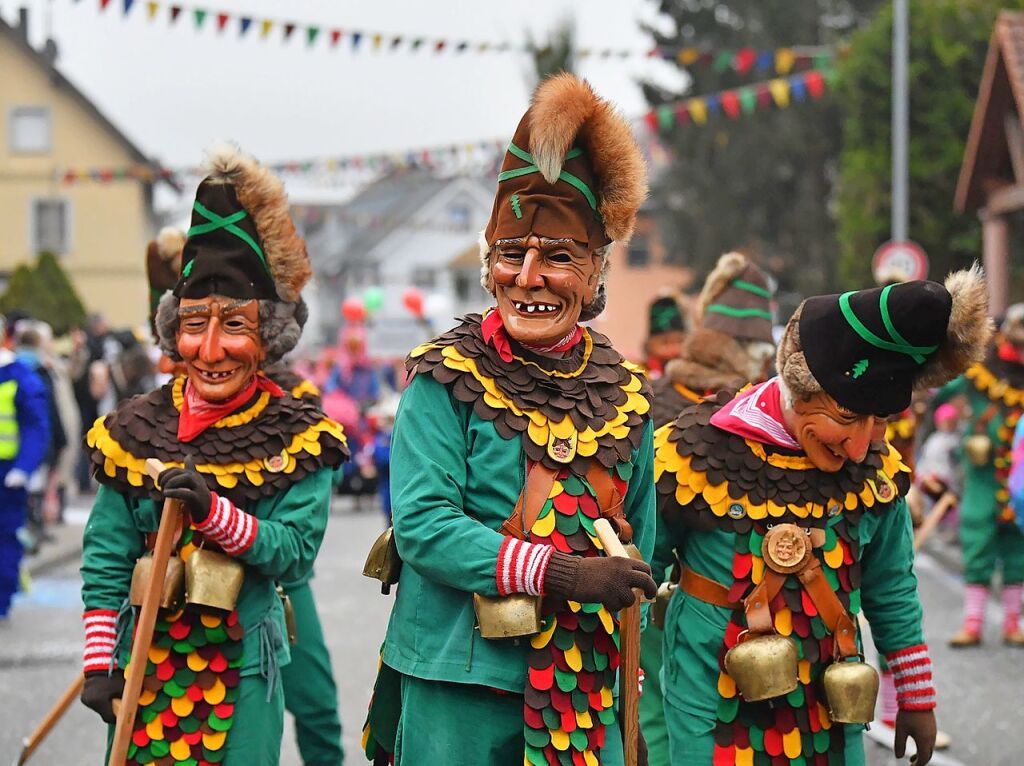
x=900 y=120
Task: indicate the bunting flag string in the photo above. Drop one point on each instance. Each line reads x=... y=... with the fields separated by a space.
x=778 y=93
x=780 y=61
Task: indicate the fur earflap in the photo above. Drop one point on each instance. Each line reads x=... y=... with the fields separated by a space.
x=729 y=267
x=967 y=333
x=791 y=363
x=262 y=194
x=163 y=259
x=565 y=107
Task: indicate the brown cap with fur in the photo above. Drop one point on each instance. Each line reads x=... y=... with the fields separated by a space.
x=163 y=266
x=573 y=170
x=737 y=300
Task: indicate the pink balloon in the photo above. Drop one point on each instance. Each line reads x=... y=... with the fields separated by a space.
x=353 y=310
x=413 y=300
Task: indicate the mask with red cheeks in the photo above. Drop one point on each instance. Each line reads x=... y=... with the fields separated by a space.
x=831 y=434
x=220 y=344
x=541 y=286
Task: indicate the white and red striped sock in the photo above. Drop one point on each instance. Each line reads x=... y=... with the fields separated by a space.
x=231 y=528
x=1011 y=607
x=100 y=638
x=974 y=608
x=521 y=566
x=890 y=707
x=912 y=675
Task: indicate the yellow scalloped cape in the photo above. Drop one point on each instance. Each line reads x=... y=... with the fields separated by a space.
x=994 y=388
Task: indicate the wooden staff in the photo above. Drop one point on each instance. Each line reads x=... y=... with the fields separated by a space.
x=629 y=655
x=947 y=501
x=146 y=622
x=57 y=712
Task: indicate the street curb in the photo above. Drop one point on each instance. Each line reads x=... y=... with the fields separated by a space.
x=42 y=564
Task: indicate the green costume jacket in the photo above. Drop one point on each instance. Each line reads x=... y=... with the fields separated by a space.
x=718 y=496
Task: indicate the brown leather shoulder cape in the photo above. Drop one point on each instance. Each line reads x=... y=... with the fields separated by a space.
x=258 y=451
x=589 y=404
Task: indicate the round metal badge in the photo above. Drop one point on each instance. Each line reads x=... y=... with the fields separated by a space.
x=786 y=548
x=276 y=463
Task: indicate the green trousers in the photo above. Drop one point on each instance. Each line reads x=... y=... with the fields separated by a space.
x=692 y=739
x=986 y=542
x=466 y=725
x=256 y=726
x=310 y=694
x=652 y=703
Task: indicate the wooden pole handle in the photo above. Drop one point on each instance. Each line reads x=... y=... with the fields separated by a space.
x=145 y=624
x=46 y=725
x=931 y=522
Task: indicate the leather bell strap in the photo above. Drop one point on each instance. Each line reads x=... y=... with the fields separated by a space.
x=831 y=610
x=706 y=589
x=759 y=615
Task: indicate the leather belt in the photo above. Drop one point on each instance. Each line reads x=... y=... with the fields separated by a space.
x=706 y=589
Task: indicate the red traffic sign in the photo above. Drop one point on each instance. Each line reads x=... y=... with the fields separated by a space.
x=899 y=262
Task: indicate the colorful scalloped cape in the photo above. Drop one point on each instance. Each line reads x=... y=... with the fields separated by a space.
x=258 y=451
x=709 y=479
x=190 y=687
x=590 y=404
x=1011 y=403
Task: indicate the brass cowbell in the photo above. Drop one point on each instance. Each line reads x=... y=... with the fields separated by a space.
x=173 y=592
x=851 y=688
x=383 y=562
x=763 y=666
x=978 y=448
x=213 y=579
x=512 y=616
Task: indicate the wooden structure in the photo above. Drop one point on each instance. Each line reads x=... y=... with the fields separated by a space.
x=992 y=175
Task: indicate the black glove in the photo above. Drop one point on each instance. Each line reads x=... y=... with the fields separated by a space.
x=101 y=690
x=920 y=726
x=189 y=486
x=598 y=579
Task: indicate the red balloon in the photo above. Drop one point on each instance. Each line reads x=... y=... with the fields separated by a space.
x=413 y=300
x=353 y=310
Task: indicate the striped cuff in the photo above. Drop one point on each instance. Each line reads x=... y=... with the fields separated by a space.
x=912 y=671
x=231 y=528
x=100 y=638
x=521 y=567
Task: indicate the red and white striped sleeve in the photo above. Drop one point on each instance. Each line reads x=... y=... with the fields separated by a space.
x=100 y=638
x=521 y=566
x=230 y=527
x=912 y=672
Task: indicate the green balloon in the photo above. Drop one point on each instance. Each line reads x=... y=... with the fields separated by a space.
x=373 y=299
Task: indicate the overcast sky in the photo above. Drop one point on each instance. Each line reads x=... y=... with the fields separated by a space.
x=173 y=90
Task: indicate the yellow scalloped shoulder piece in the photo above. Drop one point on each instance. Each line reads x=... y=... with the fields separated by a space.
x=421 y=349
x=231 y=421
x=993 y=387
x=304 y=388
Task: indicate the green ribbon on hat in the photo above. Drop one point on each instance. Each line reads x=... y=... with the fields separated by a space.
x=565 y=175
x=898 y=344
x=226 y=222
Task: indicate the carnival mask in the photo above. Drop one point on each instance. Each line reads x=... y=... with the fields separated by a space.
x=831 y=434
x=220 y=344
x=542 y=285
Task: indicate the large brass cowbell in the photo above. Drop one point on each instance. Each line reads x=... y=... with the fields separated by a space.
x=172 y=594
x=763 y=666
x=512 y=616
x=383 y=562
x=213 y=579
x=851 y=688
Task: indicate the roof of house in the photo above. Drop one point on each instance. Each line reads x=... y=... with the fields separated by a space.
x=1001 y=93
x=466 y=259
x=59 y=81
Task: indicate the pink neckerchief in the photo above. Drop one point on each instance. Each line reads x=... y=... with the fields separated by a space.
x=494 y=333
x=757 y=414
x=197 y=414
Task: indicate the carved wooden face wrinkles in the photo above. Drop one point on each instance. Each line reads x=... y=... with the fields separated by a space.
x=220 y=344
x=831 y=434
x=542 y=285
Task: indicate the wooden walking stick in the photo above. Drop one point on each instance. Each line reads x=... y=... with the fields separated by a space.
x=947 y=501
x=629 y=655
x=57 y=712
x=144 y=626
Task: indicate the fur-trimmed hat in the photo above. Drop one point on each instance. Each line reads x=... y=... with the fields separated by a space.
x=737 y=300
x=869 y=350
x=163 y=266
x=242 y=242
x=572 y=170
x=664 y=315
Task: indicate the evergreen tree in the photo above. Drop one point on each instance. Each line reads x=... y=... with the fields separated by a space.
x=44 y=292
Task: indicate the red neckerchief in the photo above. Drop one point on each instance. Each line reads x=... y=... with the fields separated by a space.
x=494 y=333
x=197 y=414
x=757 y=414
x=1009 y=353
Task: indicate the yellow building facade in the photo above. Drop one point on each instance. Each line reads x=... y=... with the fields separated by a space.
x=98 y=230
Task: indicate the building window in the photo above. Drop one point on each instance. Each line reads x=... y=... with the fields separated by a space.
x=50 y=224
x=30 y=129
x=458 y=215
x=463 y=285
x=423 y=277
x=639 y=253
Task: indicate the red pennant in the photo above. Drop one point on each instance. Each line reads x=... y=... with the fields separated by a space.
x=439 y=46
x=69 y=176
x=222 y=21
x=764 y=97
x=682 y=114
x=745 y=60
x=104 y=4
x=815 y=83
x=335 y=36
x=652 y=121
x=730 y=103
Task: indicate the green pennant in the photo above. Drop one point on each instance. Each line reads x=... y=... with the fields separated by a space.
x=748 y=100
x=311 y=33
x=723 y=61
x=200 y=16
x=666 y=117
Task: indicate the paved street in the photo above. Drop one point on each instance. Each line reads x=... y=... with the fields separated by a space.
x=40 y=648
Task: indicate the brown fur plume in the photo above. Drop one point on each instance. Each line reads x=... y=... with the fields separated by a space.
x=163 y=258
x=790 y=361
x=263 y=195
x=728 y=268
x=565 y=107
x=967 y=333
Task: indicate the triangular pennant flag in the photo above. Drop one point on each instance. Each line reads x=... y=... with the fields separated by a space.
x=175 y=12
x=797 y=88
x=222 y=21
x=765 y=61
x=584 y=53
x=376 y=40
x=784 y=60
x=682 y=113
x=311 y=34
x=651 y=120
x=356 y=37
x=815 y=83
x=104 y=4
x=698 y=110
x=335 y=36
x=128 y=6
x=730 y=103
x=152 y=9
x=483 y=47
x=666 y=117
x=289 y=27
x=439 y=46
x=417 y=43
x=688 y=56
x=606 y=53
x=780 y=92
x=745 y=60
x=461 y=46
x=265 y=26
x=200 y=17
x=396 y=41
x=244 y=22
x=714 y=103
x=764 y=96
x=748 y=100
x=723 y=61
x=821 y=60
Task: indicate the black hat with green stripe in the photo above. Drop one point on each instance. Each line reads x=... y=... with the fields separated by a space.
x=664 y=315
x=869 y=350
x=737 y=300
